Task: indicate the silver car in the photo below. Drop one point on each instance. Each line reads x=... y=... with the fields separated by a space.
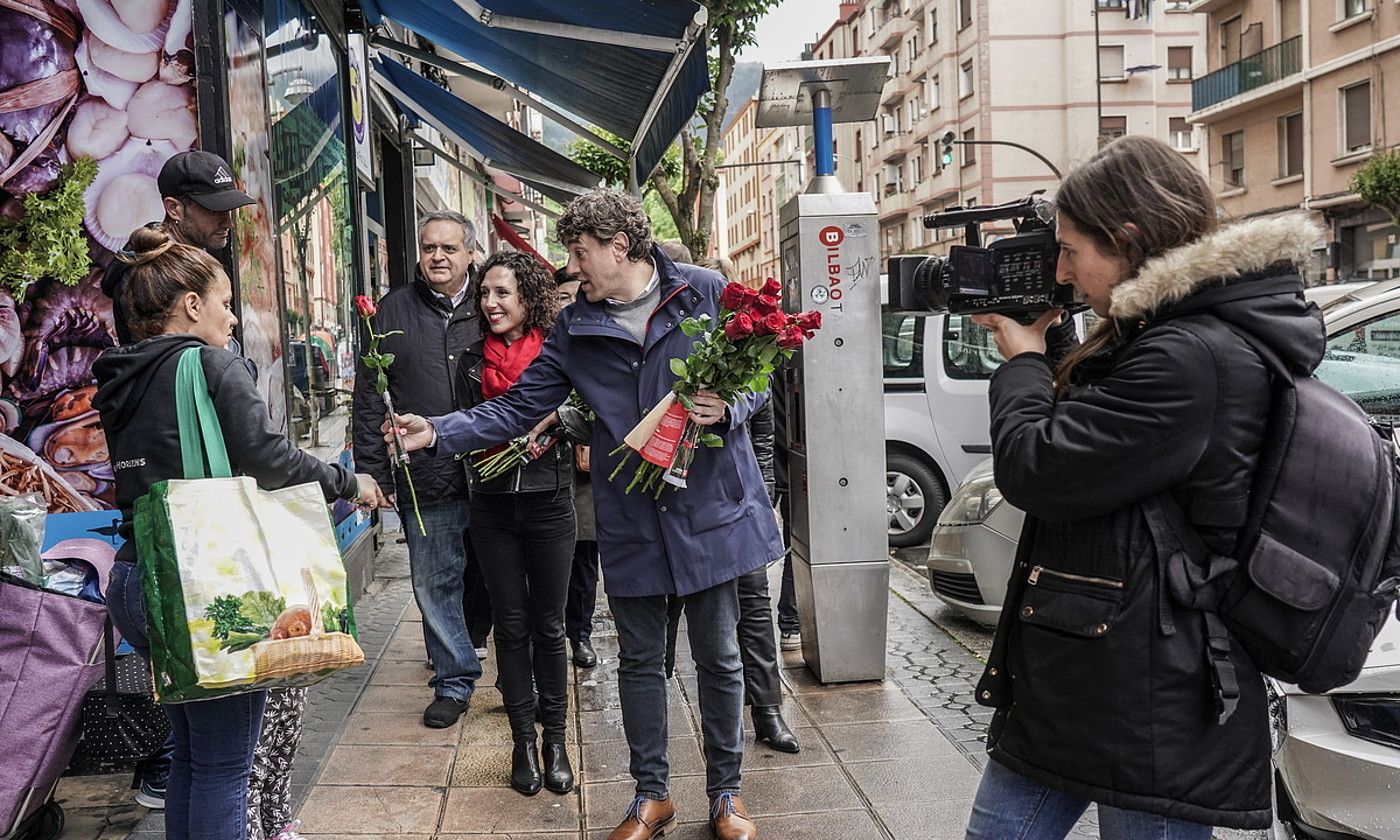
x=1337 y=755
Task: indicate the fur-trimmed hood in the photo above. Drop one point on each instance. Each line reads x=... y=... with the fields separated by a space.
x=1245 y=274
x=1236 y=250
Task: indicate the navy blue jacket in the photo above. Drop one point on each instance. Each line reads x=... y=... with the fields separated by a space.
x=718 y=528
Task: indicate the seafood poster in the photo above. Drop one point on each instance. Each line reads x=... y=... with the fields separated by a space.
x=111 y=80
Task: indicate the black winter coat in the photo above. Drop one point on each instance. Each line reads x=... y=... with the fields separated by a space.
x=551 y=472
x=422 y=380
x=1100 y=680
x=136 y=399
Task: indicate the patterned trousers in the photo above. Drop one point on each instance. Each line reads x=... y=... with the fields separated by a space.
x=270 y=787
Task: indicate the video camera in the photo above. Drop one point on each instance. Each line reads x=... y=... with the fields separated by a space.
x=1013 y=276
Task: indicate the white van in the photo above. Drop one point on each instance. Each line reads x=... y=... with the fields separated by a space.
x=937 y=366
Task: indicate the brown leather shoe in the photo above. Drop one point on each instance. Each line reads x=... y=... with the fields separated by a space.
x=646 y=818
x=729 y=820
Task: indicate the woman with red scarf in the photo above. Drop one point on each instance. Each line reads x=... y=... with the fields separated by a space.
x=523 y=526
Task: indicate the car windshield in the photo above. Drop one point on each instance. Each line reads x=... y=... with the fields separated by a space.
x=1363 y=362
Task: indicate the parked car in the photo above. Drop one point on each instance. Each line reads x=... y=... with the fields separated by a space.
x=968 y=569
x=1337 y=756
x=937 y=367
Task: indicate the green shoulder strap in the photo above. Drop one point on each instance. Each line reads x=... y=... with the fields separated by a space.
x=200 y=433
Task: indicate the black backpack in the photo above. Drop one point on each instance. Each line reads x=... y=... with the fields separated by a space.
x=1318 y=563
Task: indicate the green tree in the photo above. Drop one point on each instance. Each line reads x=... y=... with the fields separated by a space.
x=685 y=182
x=614 y=172
x=732 y=26
x=1378 y=183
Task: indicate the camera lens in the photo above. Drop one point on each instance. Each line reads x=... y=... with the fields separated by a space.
x=930 y=284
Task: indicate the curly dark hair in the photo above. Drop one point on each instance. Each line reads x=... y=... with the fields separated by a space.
x=533 y=282
x=604 y=214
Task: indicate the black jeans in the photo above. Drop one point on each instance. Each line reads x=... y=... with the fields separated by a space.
x=476 y=598
x=787 y=595
x=758 y=649
x=525 y=543
x=583 y=592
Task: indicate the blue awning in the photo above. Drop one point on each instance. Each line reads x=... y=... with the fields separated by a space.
x=634 y=67
x=497 y=144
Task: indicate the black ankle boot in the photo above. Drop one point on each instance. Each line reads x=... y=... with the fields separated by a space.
x=525 y=767
x=768 y=726
x=558 y=775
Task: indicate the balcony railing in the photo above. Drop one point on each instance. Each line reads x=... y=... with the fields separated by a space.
x=1277 y=62
x=892 y=31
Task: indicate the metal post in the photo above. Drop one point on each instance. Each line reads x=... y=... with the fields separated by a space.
x=821 y=128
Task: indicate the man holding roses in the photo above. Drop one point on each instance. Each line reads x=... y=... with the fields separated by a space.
x=614 y=346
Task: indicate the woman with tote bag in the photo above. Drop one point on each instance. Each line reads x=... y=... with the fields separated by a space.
x=178 y=297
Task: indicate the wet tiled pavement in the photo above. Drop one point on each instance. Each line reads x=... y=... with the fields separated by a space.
x=885 y=761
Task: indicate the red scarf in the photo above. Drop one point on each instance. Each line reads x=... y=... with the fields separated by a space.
x=504 y=363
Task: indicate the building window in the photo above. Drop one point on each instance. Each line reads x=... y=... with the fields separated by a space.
x=965 y=80
x=914 y=47
x=1178 y=63
x=969 y=151
x=1111 y=62
x=1356 y=117
x=964 y=13
x=894 y=179
x=1352 y=8
x=1232 y=158
x=1230 y=32
x=934 y=92
x=1182 y=137
x=1290 y=145
x=1290 y=19
x=916 y=109
x=1111 y=128
x=916 y=169
x=1112 y=4
x=933 y=26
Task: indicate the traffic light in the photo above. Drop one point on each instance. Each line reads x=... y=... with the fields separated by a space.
x=945 y=149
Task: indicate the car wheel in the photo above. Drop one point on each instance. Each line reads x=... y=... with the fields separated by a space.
x=913 y=499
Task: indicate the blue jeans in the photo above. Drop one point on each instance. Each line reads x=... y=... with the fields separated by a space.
x=438 y=562
x=214 y=739
x=1011 y=807
x=712 y=619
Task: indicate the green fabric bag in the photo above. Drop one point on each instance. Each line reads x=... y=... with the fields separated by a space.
x=245 y=589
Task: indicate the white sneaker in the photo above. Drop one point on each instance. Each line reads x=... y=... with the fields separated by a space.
x=288 y=832
x=792 y=641
x=481 y=653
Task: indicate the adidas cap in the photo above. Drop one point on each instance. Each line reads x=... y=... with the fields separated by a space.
x=203 y=177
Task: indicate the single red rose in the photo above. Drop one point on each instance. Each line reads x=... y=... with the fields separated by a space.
x=771 y=287
x=365 y=306
x=733 y=297
x=739 y=326
x=765 y=305
x=810 y=320
x=791 y=338
x=774 y=323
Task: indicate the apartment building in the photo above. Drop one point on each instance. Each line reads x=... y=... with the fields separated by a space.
x=782 y=172
x=843 y=39
x=1294 y=102
x=1040 y=74
x=737 y=201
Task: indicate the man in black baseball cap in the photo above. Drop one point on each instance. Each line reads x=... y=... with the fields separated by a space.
x=199 y=194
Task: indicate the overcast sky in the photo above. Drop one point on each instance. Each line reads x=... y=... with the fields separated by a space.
x=791 y=25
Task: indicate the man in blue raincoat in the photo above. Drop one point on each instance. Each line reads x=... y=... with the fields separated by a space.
x=614 y=346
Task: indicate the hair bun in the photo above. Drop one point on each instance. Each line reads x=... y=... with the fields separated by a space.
x=146 y=243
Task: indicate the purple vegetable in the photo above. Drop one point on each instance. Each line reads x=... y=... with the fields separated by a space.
x=31 y=50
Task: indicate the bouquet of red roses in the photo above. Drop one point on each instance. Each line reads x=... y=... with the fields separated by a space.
x=735 y=355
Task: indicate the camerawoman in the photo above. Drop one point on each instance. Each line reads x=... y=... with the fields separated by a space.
x=1102 y=684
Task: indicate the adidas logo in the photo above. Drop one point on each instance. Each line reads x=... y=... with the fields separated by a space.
x=222 y=176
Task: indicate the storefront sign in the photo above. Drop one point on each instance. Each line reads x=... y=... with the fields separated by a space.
x=359 y=108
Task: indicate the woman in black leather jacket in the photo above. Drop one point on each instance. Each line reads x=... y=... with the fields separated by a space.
x=523 y=525
x=1104 y=685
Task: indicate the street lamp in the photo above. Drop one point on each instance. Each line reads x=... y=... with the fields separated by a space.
x=948 y=140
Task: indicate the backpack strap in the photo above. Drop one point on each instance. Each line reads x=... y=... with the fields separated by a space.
x=1194 y=577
